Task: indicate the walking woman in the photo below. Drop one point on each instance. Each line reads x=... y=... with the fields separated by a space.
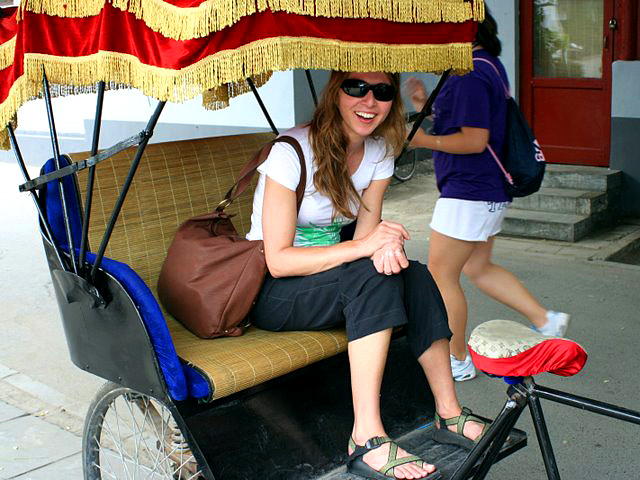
x=317 y=282
x=470 y=115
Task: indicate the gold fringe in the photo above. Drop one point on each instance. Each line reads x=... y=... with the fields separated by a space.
x=218 y=98
x=18 y=95
x=7 y=50
x=230 y=68
x=69 y=8
x=213 y=15
x=478 y=10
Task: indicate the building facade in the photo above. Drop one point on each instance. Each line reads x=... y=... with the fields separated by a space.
x=576 y=65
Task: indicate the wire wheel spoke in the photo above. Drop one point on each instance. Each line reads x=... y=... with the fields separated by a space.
x=129 y=435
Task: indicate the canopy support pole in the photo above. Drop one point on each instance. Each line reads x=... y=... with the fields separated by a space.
x=424 y=113
x=264 y=109
x=311 y=87
x=56 y=158
x=92 y=170
x=34 y=195
x=148 y=133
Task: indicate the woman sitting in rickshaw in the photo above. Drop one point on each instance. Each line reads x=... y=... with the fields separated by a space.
x=317 y=282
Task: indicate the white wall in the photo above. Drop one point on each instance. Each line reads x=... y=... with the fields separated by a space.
x=506 y=14
x=126 y=112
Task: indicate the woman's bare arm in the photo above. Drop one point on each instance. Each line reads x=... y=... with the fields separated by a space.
x=467 y=140
x=391 y=257
x=278 y=228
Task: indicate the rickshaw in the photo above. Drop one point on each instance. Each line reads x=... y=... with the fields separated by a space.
x=263 y=405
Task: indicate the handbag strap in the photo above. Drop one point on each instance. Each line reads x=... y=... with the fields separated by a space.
x=258 y=159
x=507 y=175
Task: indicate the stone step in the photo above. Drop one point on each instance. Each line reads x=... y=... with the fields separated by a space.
x=564 y=200
x=552 y=226
x=581 y=178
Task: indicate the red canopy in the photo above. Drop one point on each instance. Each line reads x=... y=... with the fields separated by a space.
x=176 y=49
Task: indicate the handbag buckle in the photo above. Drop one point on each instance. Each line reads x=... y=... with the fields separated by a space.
x=223 y=204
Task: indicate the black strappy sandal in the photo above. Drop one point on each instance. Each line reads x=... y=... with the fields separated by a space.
x=442 y=434
x=357 y=466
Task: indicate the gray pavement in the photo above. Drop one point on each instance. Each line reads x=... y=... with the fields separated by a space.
x=43 y=397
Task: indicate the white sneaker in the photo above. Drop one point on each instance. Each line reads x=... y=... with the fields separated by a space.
x=462 y=369
x=557 y=324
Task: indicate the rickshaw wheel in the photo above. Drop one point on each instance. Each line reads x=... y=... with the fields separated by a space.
x=129 y=435
x=406 y=166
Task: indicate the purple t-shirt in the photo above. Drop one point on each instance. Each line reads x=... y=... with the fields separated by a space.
x=476 y=99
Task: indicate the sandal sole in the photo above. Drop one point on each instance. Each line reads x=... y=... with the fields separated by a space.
x=361 y=468
x=452 y=438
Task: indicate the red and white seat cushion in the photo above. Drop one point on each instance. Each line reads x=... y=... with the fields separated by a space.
x=510 y=349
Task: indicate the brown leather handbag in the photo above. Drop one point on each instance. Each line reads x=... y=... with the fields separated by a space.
x=211 y=275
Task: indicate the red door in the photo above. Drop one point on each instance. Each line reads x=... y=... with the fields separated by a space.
x=565 y=89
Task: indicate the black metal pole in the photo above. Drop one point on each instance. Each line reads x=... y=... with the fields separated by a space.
x=425 y=112
x=509 y=409
x=92 y=171
x=56 y=158
x=496 y=446
x=264 y=109
x=311 y=87
x=125 y=189
x=428 y=106
x=544 y=441
x=584 y=403
x=34 y=196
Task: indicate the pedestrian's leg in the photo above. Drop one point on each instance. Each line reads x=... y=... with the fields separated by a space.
x=501 y=284
x=447 y=256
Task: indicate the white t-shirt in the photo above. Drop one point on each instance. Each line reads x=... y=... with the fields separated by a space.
x=315 y=225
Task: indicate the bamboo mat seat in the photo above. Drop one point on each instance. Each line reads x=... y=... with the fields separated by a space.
x=176 y=181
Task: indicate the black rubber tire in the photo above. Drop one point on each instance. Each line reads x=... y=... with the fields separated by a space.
x=405 y=166
x=106 y=444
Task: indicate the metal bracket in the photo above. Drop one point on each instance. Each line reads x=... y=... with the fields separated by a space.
x=81 y=165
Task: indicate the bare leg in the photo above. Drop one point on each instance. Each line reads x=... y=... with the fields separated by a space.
x=447 y=256
x=437 y=367
x=501 y=284
x=367 y=358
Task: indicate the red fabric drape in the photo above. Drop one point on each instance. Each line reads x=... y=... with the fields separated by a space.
x=118 y=31
x=8 y=24
x=80 y=51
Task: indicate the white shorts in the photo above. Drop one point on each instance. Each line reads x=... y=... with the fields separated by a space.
x=470 y=220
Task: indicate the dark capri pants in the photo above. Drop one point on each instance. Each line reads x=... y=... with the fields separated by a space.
x=355 y=295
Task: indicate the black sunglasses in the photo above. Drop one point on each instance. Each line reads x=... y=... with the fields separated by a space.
x=383 y=92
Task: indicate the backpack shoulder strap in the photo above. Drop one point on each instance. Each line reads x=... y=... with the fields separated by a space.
x=506 y=174
x=506 y=89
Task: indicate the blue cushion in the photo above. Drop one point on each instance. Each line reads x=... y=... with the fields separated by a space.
x=54 y=209
x=181 y=379
x=196 y=382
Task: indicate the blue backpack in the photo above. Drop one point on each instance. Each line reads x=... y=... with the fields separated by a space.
x=523 y=162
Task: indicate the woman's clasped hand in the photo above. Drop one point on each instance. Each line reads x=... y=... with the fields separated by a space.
x=387 y=241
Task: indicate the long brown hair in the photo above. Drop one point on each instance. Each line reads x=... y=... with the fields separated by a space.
x=329 y=143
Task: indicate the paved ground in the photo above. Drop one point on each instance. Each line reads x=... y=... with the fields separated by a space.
x=43 y=397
